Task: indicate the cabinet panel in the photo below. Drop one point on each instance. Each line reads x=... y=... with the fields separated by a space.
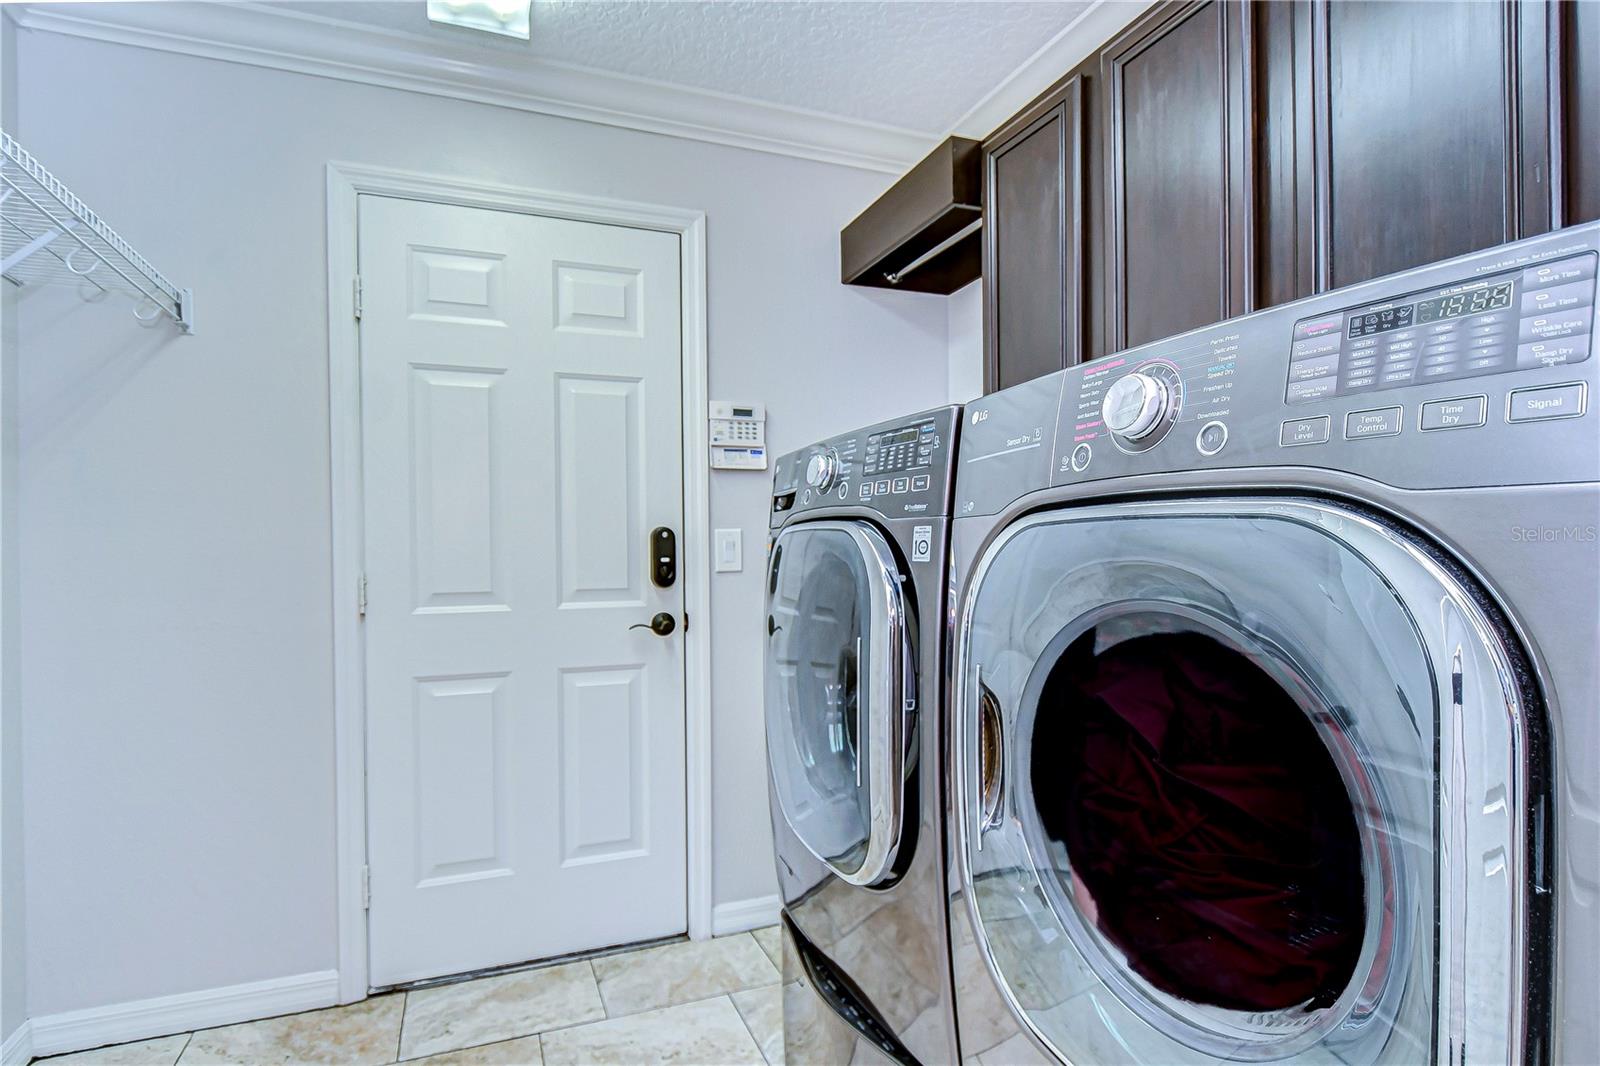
x=1033 y=277
x=1418 y=155
x=1176 y=172
x=1580 y=125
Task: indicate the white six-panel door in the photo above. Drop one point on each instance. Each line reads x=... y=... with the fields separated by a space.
x=522 y=435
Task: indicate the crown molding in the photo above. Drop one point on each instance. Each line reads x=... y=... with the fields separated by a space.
x=1076 y=41
x=260 y=36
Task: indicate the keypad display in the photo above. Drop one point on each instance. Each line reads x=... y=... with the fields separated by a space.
x=905 y=448
x=1539 y=316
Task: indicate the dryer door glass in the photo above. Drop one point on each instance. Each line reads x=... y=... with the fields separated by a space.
x=836 y=634
x=1241 y=780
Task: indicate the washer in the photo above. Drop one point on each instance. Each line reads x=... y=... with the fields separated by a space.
x=856 y=593
x=1279 y=741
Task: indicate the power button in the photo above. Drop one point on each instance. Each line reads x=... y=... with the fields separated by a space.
x=1080 y=458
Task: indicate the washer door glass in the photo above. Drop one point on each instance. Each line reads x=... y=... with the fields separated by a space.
x=835 y=639
x=1240 y=781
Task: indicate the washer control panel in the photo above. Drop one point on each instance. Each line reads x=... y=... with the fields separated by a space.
x=1522 y=319
x=901 y=469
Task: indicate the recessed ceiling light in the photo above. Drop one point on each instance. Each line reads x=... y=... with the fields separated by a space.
x=510 y=18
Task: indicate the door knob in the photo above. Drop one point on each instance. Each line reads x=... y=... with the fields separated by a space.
x=661 y=625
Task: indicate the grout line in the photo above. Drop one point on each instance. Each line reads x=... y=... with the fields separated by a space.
x=400 y=1037
x=746 y=1023
x=187 y=1040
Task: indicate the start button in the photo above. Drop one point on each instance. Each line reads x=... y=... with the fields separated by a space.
x=1550 y=401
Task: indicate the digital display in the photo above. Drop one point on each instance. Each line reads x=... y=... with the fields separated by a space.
x=899 y=436
x=1477 y=301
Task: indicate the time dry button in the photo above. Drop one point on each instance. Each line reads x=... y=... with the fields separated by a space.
x=1460 y=413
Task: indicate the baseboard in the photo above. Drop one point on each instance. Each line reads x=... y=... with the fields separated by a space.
x=18 y=1047
x=145 y=1018
x=738 y=915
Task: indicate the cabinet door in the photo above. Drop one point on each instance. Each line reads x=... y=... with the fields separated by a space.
x=1033 y=241
x=1419 y=155
x=1580 y=116
x=1178 y=171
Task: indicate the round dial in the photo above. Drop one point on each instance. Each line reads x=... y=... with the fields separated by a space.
x=1134 y=405
x=821 y=469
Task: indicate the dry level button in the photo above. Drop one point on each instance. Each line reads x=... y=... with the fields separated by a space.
x=1298 y=431
x=1383 y=422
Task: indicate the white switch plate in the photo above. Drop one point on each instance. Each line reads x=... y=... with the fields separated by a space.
x=729 y=550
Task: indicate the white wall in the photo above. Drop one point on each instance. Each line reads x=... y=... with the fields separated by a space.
x=13 y=973
x=964 y=327
x=175 y=500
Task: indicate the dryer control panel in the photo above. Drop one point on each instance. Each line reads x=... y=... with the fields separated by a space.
x=1476 y=371
x=901 y=469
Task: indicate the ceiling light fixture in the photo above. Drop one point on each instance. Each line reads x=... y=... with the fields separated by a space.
x=509 y=18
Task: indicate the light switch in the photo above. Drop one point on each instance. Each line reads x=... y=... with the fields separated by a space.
x=729 y=550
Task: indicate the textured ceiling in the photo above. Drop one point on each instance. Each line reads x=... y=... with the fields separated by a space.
x=911 y=64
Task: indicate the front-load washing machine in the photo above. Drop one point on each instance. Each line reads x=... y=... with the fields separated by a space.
x=1276 y=723
x=856 y=591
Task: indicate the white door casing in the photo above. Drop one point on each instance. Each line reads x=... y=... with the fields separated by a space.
x=521 y=434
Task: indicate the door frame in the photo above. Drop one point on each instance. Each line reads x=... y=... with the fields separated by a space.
x=346 y=183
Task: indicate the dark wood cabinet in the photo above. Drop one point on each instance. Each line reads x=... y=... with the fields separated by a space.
x=1419 y=153
x=1231 y=155
x=1033 y=239
x=1578 y=120
x=1177 y=165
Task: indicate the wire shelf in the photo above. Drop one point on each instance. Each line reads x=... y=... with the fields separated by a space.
x=49 y=236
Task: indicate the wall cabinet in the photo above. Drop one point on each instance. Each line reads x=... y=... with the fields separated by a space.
x=1221 y=156
x=1034 y=218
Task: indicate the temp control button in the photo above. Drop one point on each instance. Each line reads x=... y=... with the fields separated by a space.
x=1551 y=401
x=1382 y=422
x=1460 y=413
x=1299 y=431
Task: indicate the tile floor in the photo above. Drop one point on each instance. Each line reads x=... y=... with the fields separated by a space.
x=712 y=1001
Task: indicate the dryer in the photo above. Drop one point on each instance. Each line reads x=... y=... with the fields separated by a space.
x=856 y=594
x=1275 y=728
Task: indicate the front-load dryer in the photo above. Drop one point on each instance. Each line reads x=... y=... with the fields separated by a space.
x=856 y=591
x=1275 y=729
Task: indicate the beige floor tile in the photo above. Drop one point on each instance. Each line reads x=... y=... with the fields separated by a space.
x=521 y=1052
x=682 y=973
x=1018 y=1051
x=771 y=941
x=365 y=1032
x=491 y=1009
x=162 y=1051
x=703 y=1033
x=762 y=1011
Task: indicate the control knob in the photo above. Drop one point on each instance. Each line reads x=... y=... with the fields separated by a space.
x=822 y=469
x=1135 y=405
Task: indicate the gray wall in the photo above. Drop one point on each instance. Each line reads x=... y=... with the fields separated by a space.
x=175 y=501
x=13 y=974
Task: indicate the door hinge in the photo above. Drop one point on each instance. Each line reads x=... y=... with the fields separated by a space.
x=361 y=596
x=355 y=287
x=366 y=888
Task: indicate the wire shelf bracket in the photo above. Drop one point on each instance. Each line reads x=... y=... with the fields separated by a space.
x=49 y=236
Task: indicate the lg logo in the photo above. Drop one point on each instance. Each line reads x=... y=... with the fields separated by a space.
x=979 y=416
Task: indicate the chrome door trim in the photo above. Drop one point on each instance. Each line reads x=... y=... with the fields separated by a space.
x=1498 y=911
x=887 y=640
